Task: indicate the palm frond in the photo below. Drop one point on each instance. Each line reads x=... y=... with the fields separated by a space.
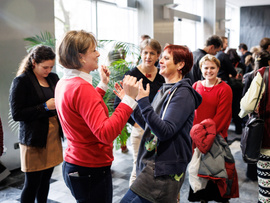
x=45 y=38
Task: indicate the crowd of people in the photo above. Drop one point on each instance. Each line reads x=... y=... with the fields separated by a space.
x=167 y=98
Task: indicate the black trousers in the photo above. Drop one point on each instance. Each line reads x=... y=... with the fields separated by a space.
x=36 y=185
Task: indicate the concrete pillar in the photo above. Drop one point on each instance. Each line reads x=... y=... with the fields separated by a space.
x=152 y=22
x=214 y=18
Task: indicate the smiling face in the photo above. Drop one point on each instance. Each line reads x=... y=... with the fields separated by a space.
x=169 y=70
x=149 y=57
x=42 y=70
x=209 y=70
x=89 y=60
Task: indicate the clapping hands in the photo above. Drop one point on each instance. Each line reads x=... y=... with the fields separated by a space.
x=143 y=92
x=132 y=88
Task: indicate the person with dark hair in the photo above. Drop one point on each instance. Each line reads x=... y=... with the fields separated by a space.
x=216 y=105
x=244 y=51
x=248 y=103
x=85 y=118
x=265 y=44
x=32 y=104
x=236 y=62
x=212 y=45
x=144 y=37
x=165 y=149
x=261 y=59
x=237 y=88
x=150 y=52
x=226 y=68
x=249 y=61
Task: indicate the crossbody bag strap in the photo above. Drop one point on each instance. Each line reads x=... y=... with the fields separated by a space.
x=163 y=114
x=258 y=96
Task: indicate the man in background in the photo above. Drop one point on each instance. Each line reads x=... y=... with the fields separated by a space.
x=244 y=51
x=226 y=67
x=212 y=45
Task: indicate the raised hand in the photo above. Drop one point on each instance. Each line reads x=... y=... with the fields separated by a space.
x=130 y=86
x=143 y=92
x=119 y=91
x=104 y=73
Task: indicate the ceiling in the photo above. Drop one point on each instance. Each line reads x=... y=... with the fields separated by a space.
x=243 y=3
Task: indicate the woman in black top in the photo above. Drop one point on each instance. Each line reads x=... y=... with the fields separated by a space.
x=32 y=104
x=237 y=88
x=150 y=52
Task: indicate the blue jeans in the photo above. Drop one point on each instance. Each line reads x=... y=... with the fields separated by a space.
x=88 y=184
x=131 y=197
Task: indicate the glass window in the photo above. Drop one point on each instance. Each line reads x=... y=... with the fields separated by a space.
x=188 y=32
x=72 y=15
x=103 y=18
x=115 y=23
x=185 y=33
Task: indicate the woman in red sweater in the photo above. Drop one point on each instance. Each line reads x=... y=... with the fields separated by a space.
x=216 y=94
x=85 y=120
x=217 y=105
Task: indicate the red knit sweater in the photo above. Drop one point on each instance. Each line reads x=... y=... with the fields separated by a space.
x=216 y=104
x=86 y=124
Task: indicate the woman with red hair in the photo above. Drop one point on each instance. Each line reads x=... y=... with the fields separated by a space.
x=165 y=149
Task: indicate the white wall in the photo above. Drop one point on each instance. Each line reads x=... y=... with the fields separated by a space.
x=18 y=19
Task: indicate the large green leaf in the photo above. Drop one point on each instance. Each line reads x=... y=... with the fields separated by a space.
x=45 y=38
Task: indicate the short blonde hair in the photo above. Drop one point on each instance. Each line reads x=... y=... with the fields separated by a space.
x=73 y=44
x=211 y=58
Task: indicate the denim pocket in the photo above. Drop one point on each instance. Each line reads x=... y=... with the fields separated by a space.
x=80 y=187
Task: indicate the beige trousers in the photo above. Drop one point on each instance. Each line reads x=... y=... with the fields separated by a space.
x=135 y=139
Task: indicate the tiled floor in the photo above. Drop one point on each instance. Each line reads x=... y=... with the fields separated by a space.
x=10 y=188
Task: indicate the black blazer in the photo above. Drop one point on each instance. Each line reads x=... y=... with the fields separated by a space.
x=26 y=103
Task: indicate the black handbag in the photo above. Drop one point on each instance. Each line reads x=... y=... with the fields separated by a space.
x=252 y=135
